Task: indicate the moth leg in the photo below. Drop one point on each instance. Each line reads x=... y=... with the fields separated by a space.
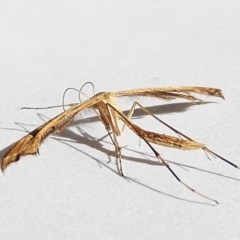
x=118 y=151
x=140 y=132
x=102 y=112
x=204 y=148
x=131 y=111
x=160 y=159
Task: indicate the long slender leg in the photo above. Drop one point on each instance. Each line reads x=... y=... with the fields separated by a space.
x=176 y=131
x=138 y=130
x=117 y=150
x=102 y=112
x=105 y=123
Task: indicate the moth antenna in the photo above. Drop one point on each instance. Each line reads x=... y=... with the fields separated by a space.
x=80 y=90
x=63 y=97
x=56 y=106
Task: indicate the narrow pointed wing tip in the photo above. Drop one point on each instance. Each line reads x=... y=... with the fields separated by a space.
x=3 y=169
x=218 y=93
x=221 y=96
x=10 y=157
x=214 y=92
x=7 y=160
x=4 y=166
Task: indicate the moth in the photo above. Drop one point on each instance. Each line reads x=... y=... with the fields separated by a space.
x=109 y=112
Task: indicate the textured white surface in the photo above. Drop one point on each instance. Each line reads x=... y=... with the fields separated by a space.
x=71 y=191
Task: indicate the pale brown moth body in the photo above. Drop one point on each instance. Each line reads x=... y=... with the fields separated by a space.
x=109 y=113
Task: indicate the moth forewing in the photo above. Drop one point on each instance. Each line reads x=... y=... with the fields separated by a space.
x=31 y=142
x=172 y=92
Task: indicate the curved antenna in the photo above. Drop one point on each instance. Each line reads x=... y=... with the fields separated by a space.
x=80 y=90
x=63 y=97
x=79 y=94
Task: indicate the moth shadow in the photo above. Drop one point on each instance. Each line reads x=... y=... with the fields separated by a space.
x=156 y=110
x=69 y=137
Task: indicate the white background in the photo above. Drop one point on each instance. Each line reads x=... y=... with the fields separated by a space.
x=72 y=190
